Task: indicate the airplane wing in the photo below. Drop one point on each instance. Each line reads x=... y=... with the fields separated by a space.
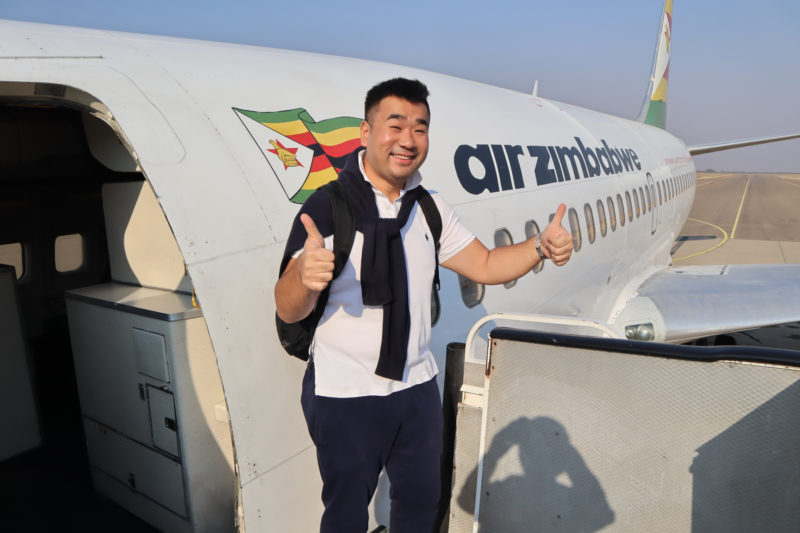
x=689 y=302
x=728 y=145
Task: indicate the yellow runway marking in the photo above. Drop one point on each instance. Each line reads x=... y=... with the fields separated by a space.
x=724 y=240
x=741 y=204
x=716 y=177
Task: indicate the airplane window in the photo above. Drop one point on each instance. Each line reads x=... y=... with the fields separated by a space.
x=69 y=252
x=629 y=205
x=601 y=218
x=590 y=231
x=575 y=229
x=531 y=230
x=471 y=292
x=647 y=193
x=659 y=193
x=641 y=200
x=621 y=210
x=636 y=202
x=502 y=237
x=612 y=214
x=11 y=254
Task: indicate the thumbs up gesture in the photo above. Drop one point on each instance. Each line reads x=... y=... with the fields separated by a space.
x=316 y=262
x=556 y=241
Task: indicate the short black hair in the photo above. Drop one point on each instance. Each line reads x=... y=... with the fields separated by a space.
x=412 y=90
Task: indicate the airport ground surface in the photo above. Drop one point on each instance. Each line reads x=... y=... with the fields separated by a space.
x=742 y=219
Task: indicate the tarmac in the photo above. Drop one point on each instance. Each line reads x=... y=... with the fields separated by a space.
x=742 y=219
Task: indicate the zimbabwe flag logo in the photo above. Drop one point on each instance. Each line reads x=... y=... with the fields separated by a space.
x=303 y=154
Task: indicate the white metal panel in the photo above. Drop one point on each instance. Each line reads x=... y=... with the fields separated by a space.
x=151 y=354
x=163 y=421
x=143 y=470
x=590 y=439
x=110 y=386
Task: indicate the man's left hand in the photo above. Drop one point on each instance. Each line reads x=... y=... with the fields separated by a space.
x=555 y=240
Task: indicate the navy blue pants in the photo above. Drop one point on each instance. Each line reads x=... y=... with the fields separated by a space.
x=357 y=437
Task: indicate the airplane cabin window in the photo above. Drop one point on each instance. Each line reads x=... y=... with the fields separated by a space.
x=612 y=214
x=636 y=203
x=531 y=230
x=575 y=229
x=629 y=205
x=647 y=194
x=590 y=231
x=502 y=237
x=69 y=252
x=659 y=193
x=471 y=292
x=11 y=254
x=621 y=210
x=601 y=218
x=641 y=201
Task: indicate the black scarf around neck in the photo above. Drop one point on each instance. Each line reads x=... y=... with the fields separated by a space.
x=384 y=280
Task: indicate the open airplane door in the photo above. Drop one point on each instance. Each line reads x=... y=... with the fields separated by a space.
x=572 y=433
x=152 y=408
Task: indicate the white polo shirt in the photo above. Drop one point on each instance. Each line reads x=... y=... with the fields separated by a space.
x=347 y=341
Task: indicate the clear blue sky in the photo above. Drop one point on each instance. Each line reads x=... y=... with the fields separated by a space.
x=735 y=68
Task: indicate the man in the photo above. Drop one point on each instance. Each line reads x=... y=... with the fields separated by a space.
x=370 y=397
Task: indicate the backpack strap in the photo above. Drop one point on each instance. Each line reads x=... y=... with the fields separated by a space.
x=434 y=220
x=344 y=230
x=344 y=225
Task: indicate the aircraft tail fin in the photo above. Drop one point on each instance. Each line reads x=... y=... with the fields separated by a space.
x=654 y=108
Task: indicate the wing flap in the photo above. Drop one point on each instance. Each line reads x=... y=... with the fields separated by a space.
x=689 y=302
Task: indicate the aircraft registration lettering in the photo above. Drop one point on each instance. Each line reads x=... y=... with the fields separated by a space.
x=502 y=169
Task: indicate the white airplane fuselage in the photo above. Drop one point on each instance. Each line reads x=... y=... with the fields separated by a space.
x=501 y=158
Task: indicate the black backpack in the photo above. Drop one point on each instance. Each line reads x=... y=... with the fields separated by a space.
x=296 y=337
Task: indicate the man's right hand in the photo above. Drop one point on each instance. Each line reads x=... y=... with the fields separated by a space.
x=316 y=262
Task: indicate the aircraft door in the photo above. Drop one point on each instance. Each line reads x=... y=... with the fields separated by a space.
x=654 y=211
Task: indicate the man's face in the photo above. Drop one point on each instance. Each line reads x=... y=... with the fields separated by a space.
x=396 y=139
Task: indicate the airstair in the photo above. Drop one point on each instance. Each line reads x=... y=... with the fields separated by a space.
x=558 y=432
